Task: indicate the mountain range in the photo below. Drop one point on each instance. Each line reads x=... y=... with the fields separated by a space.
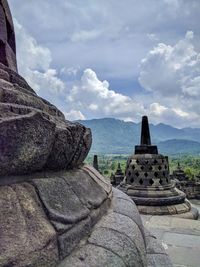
x=113 y=136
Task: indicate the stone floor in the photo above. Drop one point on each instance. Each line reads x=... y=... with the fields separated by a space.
x=180 y=237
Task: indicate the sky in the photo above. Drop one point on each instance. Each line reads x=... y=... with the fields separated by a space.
x=112 y=58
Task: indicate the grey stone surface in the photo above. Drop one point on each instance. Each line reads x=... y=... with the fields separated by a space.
x=27 y=238
x=90 y=193
x=93 y=256
x=158 y=260
x=180 y=237
x=21 y=145
x=118 y=243
x=98 y=178
x=126 y=226
x=60 y=201
x=70 y=239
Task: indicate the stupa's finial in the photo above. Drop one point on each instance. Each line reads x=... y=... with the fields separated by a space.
x=95 y=162
x=145 y=133
x=119 y=166
x=145 y=146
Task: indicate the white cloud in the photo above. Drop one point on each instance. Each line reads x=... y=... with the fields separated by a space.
x=74 y=115
x=92 y=95
x=84 y=35
x=172 y=116
x=172 y=70
x=172 y=76
x=34 y=62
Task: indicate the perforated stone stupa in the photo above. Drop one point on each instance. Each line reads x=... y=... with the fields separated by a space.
x=118 y=177
x=148 y=181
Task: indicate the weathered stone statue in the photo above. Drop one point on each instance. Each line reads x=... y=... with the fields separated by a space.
x=34 y=134
x=149 y=184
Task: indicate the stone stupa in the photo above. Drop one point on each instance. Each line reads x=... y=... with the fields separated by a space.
x=118 y=176
x=149 y=184
x=54 y=209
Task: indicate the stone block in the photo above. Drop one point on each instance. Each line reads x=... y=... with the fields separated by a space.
x=125 y=226
x=94 y=174
x=93 y=256
x=27 y=238
x=70 y=239
x=119 y=244
x=60 y=201
x=89 y=192
x=158 y=260
x=25 y=142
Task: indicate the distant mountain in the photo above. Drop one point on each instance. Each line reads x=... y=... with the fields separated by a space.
x=112 y=136
x=177 y=146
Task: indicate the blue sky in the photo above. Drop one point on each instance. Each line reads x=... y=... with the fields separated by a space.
x=111 y=58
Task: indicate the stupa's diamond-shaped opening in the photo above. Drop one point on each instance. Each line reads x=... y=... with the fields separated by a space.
x=156 y=174
x=132 y=180
x=146 y=174
x=150 y=168
x=142 y=168
x=141 y=181
x=159 y=167
x=151 y=181
x=161 y=181
x=137 y=174
x=133 y=167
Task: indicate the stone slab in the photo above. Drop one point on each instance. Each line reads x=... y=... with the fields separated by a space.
x=158 y=260
x=93 y=256
x=126 y=226
x=117 y=243
x=62 y=204
x=70 y=239
x=89 y=192
x=27 y=238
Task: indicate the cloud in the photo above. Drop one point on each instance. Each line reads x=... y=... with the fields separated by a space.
x=74 y=115
x=172 y=76
x=95 y=99
x=172 y=70
x=34 y=62
x=84 y=36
